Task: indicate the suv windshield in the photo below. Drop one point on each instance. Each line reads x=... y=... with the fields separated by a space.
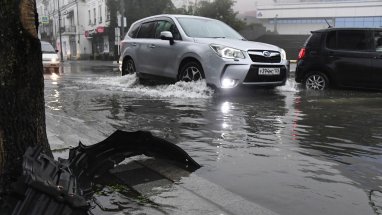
x=207 y=28
x=47 y=48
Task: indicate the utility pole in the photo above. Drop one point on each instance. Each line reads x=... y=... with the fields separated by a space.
x=275 y=24
x=59 y=30
x=122 y=19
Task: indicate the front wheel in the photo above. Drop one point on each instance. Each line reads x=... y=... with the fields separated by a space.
x=191 y=71
x=316 y=81
x=128 y=67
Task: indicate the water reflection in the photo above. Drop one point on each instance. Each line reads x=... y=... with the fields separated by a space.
x=344 y=129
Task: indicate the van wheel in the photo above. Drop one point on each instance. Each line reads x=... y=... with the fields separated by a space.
x=191 y=71
x=316 y=81
x=128 y=66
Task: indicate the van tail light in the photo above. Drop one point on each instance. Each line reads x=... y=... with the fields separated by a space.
x=301 y=54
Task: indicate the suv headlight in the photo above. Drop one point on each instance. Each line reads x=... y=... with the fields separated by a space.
x=283 y=54
x=227 y=52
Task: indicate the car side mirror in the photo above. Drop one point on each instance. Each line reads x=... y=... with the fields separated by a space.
x=167 y=35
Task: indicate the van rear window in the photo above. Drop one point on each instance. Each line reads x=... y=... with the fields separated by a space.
x=313 y=41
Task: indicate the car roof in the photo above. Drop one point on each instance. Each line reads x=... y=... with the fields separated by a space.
x=44 y=42
x=334 y=29
x=172 y=16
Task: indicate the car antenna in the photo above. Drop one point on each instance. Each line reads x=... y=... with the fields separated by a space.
x=329 y=26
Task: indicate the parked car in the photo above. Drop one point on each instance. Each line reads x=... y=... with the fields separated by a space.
x=342 y=57
x=191 y=48
x=50 y=60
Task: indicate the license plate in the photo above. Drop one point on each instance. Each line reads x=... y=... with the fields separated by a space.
x=269 y=71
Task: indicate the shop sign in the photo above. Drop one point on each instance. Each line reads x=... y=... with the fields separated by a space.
x=100 y=29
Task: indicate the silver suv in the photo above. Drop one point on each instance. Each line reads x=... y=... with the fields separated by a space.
x=192 y=48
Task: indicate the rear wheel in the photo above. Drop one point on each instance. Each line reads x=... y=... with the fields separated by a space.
x=128 y=66
x=316 y=81
x=191 y=71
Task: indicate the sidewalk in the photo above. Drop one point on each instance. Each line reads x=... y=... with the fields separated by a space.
x=174 y=191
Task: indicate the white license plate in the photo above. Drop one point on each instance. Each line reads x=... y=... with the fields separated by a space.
x=269 y=71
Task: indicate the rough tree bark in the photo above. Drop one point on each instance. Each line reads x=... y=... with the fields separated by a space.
x=22 y=109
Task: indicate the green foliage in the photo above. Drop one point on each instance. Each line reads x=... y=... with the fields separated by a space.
x=138 y=9
x=221 y=10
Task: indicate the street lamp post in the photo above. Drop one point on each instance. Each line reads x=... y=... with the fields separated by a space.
x=275 y=23
x=59 y=29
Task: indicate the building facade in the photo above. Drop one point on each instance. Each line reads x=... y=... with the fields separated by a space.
x=303 y=16
x=77 y=27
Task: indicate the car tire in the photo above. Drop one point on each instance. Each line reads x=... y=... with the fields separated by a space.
x=128 y=66
x=316 y=81
x=191 y=71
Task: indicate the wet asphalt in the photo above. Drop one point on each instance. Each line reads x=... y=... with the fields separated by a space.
x=289 y=150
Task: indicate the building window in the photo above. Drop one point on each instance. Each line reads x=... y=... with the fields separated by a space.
x=107 y=13
x=95 y=16
x=362 y=22
x=302 y=21
x=100 y=13
x=90 y=18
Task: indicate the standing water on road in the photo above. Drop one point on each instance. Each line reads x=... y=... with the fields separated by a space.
x=290 y=150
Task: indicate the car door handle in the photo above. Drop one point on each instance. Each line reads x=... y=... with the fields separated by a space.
x=378 y=57
x=134 y=44
x=313 y=53
x=331 y=54
x=152 y=46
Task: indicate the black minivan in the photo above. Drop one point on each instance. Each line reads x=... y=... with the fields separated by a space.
x=342 y=57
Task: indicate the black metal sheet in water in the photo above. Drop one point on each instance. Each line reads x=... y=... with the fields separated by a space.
x=63 y=187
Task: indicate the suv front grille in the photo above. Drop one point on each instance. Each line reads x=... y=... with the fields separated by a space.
x=259 y=57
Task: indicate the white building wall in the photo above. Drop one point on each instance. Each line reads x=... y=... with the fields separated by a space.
x=319 y=10
x=312 y=15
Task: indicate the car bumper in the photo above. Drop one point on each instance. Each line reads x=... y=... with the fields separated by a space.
x=49 y=67
x=244 y=72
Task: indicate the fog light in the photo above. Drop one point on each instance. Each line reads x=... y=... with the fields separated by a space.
x=228 y=83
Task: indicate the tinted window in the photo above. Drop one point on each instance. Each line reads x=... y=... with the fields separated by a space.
x=352 y=40
x=378 y=41
x=147 y=30
x=314 y=40
x=331 y=40
x=167 y=26
x=134 y=30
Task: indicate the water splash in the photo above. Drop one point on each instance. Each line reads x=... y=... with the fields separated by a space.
x=290 y=86
x=130 y=83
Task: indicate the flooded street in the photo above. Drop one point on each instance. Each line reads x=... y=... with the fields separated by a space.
x=289 y=150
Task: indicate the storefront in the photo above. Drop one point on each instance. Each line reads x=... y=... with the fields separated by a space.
x=99 y=43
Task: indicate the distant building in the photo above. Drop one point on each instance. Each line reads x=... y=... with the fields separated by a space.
x=84 y=27
x=303 y=16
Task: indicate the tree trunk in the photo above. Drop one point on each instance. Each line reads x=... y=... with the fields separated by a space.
x=22 y=109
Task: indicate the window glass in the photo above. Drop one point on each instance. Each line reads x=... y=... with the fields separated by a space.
x=314 y=40
x=331 y=40
x=147 y=30
x=207 y=28
x=47 y=48
x=352 y=40
x=134 y=30
x=378 y=41
x=167 y=26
